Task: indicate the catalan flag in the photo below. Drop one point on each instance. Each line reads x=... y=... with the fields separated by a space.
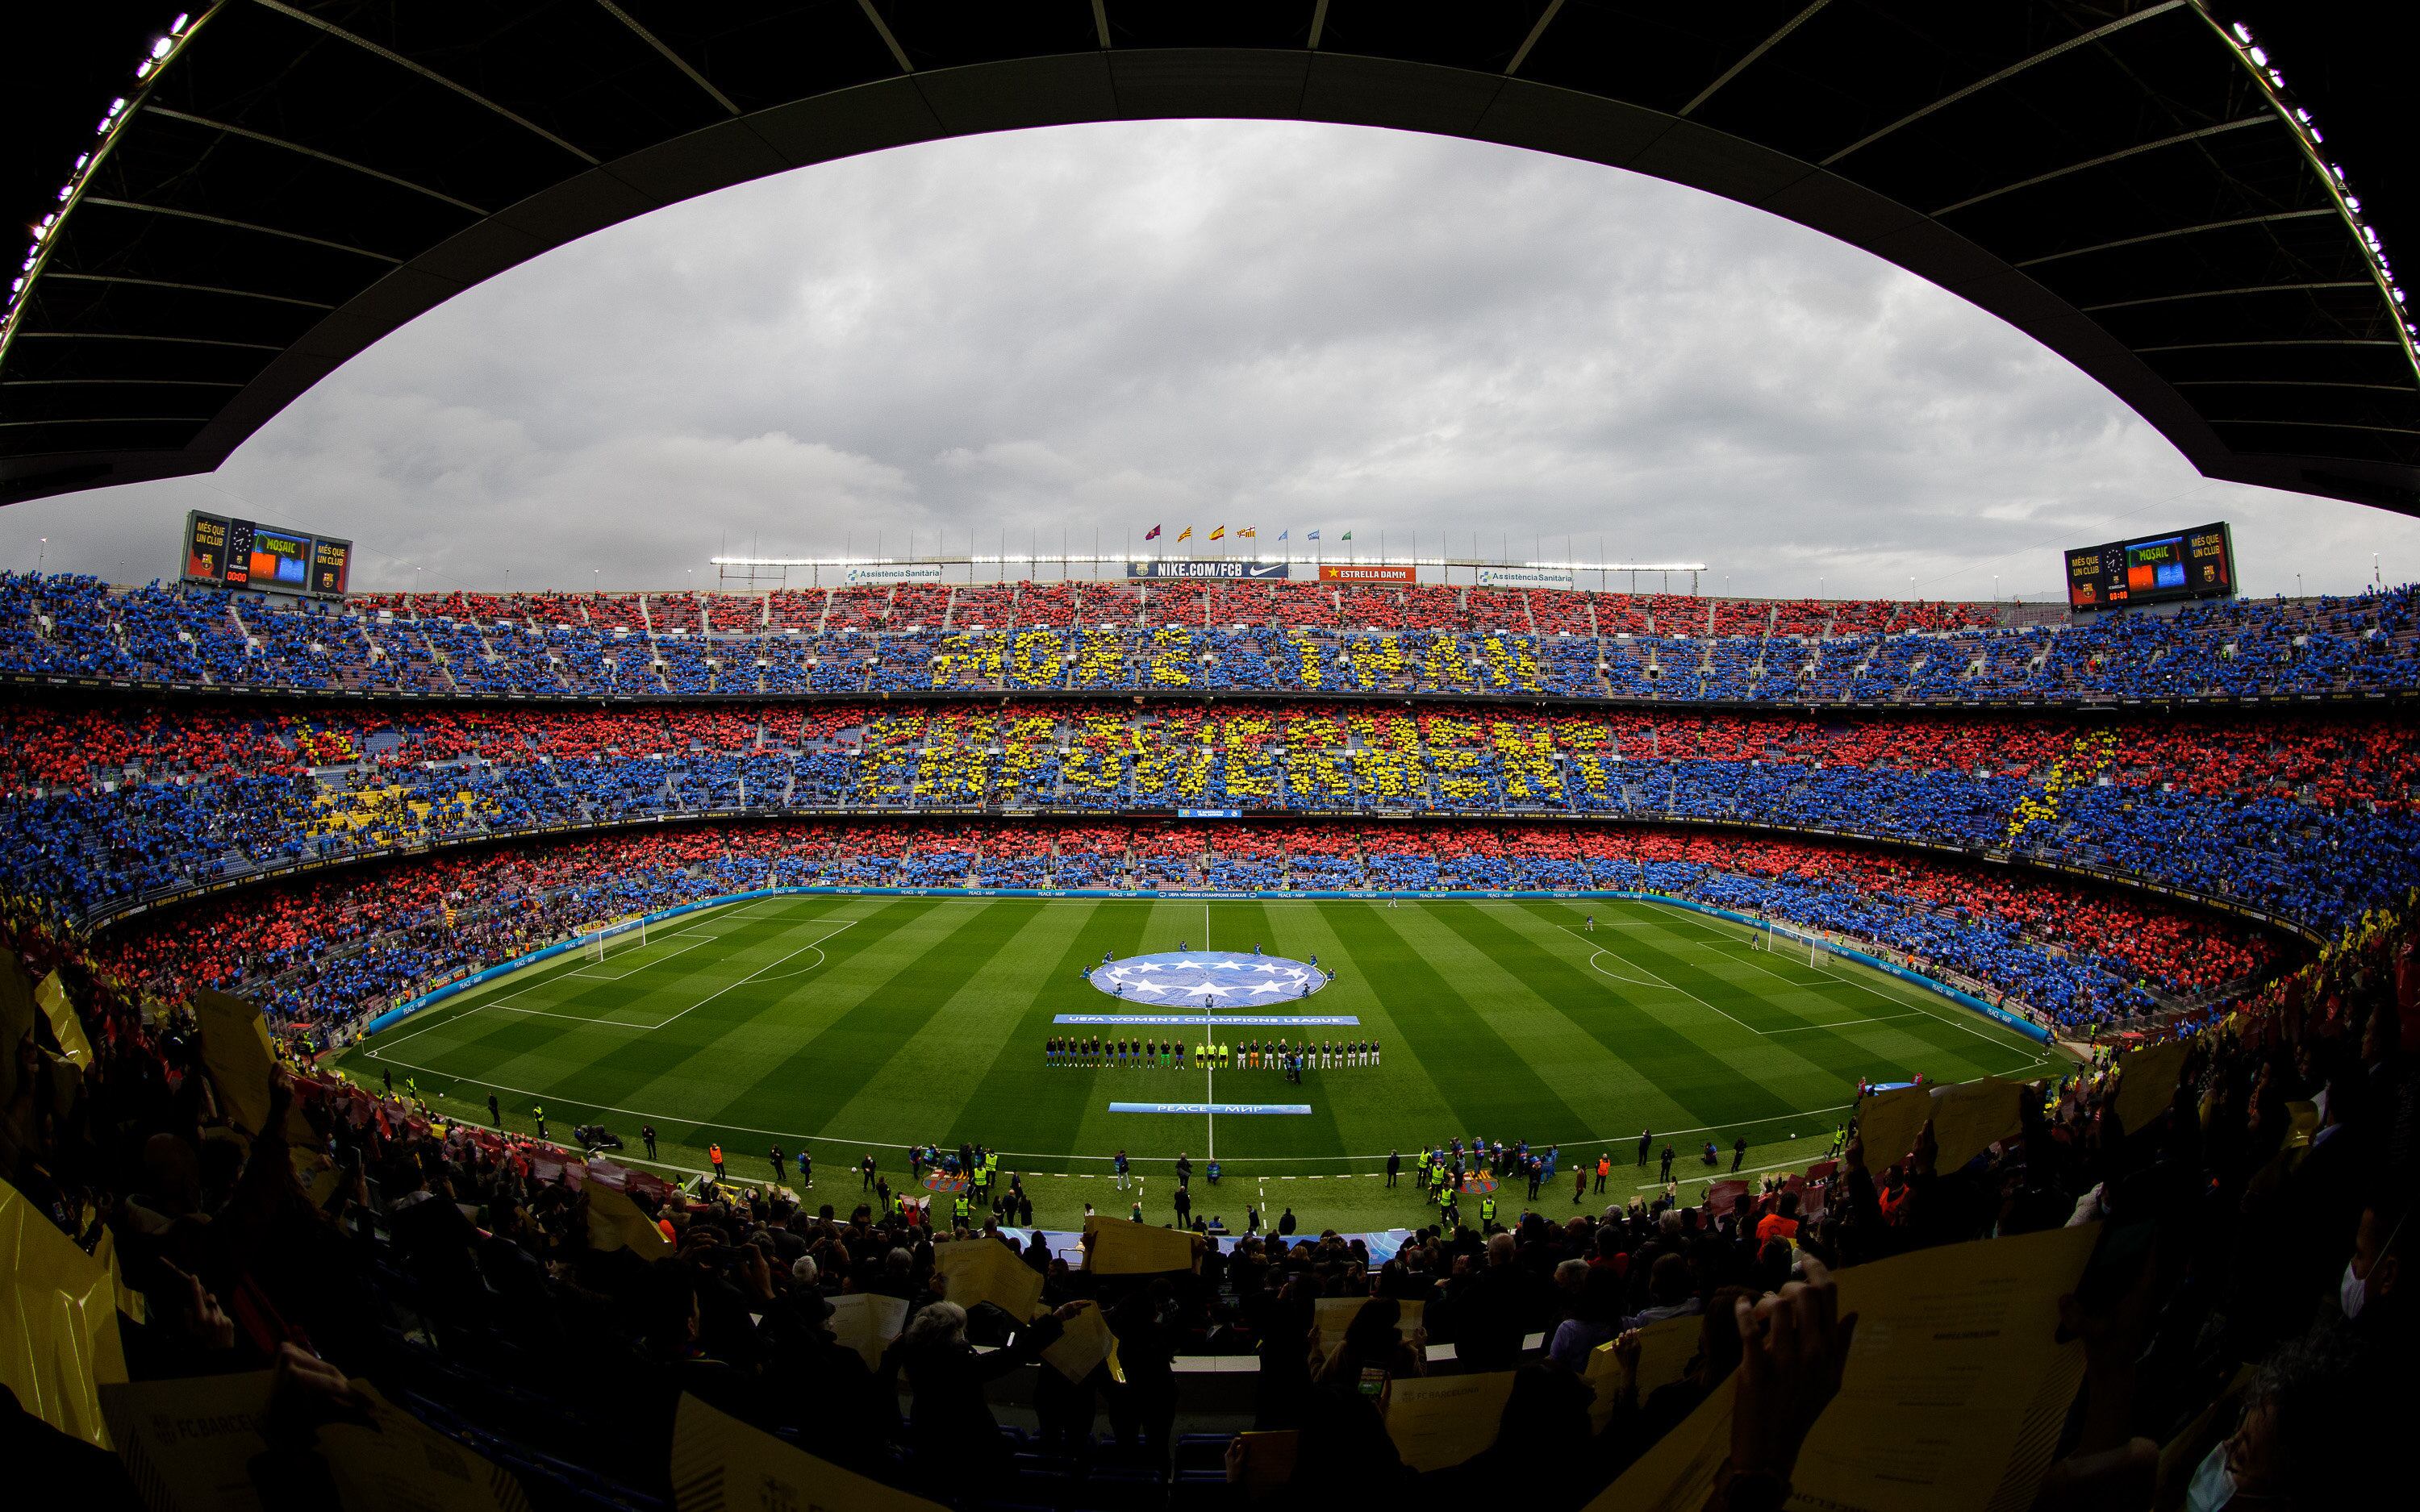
x=1185 y=535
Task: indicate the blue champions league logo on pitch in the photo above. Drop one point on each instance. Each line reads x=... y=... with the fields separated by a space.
x=1223 y=979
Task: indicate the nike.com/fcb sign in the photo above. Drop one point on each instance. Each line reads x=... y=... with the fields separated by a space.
x=1192 y=977
x=1230 y=568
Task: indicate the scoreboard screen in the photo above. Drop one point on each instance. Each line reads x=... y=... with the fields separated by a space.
x=239 y=553
x=280 y=559
x=332 y=565
x=205 y=548
x=2152 y=569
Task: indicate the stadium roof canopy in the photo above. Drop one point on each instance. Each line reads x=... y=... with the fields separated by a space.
x=2125 y=179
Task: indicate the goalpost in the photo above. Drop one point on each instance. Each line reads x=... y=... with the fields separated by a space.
x=595 y=948
x=1774 y=934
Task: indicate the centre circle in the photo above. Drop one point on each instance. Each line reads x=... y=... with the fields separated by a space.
x=1219 y=979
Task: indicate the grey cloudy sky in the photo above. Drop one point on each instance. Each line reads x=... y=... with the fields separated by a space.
x=1100 y=328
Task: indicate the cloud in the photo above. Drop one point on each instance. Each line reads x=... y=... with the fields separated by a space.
x=1019 y=338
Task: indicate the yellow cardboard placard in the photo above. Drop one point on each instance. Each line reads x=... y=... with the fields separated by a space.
x=1665 y=1347
x=615 y=1222
x=130 y=1300
x=51 y=995
x=234 y=1048
x=982 y=1270
x=720 y=1464
x=1972 y=1117
x=1334 y=1315
x=1121 y=1246
x=1952 y=1395
x=867 y=1321
x=1677 y=1472
x=1955 y=1381
x=1603 y=1376
x=189 y=1442
x=59 y=1342
x=400 y=1464
x=1437 y=1421
x=2146 y=1082
x=1888 y=1122
x=318 y=1175
x=1086 y=1343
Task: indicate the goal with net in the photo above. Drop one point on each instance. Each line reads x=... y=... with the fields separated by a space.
x=1778 y=936
x=606 y=939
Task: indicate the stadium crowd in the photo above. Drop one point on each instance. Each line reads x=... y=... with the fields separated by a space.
x=2243 y=1319
x=1293 y=637
x=324 y=950
x=2243 y=1327
x=2308 y=816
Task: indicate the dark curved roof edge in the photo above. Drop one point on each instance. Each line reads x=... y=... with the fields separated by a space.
x=1136 y=85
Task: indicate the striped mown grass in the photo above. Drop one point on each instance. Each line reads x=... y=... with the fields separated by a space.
x=842 y=1025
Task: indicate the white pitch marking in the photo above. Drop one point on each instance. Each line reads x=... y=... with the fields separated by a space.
x=1847 y=982
x=753 y=974
x=1657 y=982
x=646 y=966
x=505 y=1003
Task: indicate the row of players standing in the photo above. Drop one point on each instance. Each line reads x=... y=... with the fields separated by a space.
x=1088 y=1051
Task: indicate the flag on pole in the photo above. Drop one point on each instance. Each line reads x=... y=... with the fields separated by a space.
x=1282 y=534
x=1152 y=535
x=1218 y=533
x=1348 y=535
x=1185 y=535
x=1313 y=537
x=1247 y=532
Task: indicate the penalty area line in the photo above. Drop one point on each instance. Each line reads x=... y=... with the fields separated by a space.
x=811 y=945
x=1868 y=988
x=1659 y=981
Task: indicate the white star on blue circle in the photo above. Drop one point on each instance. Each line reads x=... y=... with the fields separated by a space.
x=1226 y=978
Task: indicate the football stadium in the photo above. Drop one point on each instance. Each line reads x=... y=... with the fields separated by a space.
x=1240 y=1018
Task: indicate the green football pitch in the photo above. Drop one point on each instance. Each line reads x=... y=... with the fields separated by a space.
x=843 y=1025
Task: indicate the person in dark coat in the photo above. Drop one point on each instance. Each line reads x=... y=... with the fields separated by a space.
x=1145 y=1407
x=1491 y=1315
x=1345 y=1449
x=951 y=1435
x=830 y=1394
